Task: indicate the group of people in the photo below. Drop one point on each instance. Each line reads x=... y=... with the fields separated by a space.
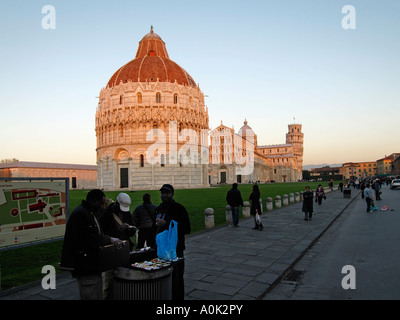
x=97 y=221
x=308 y=200
x=234 y=200
x=371 y=192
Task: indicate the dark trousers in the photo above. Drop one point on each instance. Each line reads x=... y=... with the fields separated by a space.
x=235 y=215
x=307 y=215
x=148 y=235
x=368 y=204
x=178 y=284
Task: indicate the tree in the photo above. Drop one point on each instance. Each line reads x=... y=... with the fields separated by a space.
x=9 y=160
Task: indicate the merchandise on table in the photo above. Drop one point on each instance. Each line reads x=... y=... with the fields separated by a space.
x=155 y=264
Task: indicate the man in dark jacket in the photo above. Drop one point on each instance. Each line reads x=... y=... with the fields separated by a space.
x=169 y=210
x=144 y=217
x=234 y=199
x=308 y=204
x=83 y=237
x=376 y=187
x=117 y=222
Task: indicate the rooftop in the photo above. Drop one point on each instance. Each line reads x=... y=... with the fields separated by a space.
x=45 y=165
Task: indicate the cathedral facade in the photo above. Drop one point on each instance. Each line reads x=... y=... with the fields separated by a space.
x=237 y=157
x=152 y=127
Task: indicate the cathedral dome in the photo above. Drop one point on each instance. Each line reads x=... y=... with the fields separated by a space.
x=245 y=129
x=151 y=64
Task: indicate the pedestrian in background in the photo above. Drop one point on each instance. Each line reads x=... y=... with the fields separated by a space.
x=331 y=185
x=319 y=195
x=369 y=196
x=307 y=204
x=144 y=217
x=362 y=187
x=255 y=208
x=376 y=187
x=234 y=199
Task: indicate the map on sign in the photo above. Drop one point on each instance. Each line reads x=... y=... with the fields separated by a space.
x=31 y=211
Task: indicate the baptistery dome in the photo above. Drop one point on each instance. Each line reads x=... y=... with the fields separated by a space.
x=151 y=63
x=150 y=121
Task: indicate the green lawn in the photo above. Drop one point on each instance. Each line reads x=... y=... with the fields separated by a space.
x=197 y=200
x=24 y=265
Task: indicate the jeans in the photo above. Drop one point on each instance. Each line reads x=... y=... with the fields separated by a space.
x=235 y=215
x=369 y=200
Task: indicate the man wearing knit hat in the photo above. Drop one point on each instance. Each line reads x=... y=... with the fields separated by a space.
x=117 y=219
x=117 y=222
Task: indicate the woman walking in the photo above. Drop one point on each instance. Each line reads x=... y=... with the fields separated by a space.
x=255 y=208
x=319 y=194
x=307 y=204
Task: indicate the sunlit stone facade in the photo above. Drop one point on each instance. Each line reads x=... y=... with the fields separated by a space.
x=151 y=100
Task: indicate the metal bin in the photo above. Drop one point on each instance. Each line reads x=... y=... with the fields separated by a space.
x=135 y=284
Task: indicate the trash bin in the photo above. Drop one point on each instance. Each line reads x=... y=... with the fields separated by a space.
x=346 y=193
x=134 y=284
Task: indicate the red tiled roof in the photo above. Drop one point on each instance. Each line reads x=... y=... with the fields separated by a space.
x=151 y=63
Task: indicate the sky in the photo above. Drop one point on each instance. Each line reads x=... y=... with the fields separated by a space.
x=271 y=63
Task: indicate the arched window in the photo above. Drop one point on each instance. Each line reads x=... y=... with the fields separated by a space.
x=121 y=130
x=175 y=98
x=139 y=97
x=141 y=161
x=121 y=99
x=158 y=97
x=162 y=160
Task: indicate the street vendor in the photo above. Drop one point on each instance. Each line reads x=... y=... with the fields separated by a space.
x=169 y=210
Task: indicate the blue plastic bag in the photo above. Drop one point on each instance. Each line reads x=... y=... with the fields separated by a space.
x=166 y=242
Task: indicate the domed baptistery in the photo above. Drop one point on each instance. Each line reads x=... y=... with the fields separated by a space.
x=151 y=124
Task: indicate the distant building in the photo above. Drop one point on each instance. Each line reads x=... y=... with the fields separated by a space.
x=395 y=170
x=281 y=162
x=324 y=171
x=80 y=176
x=384 y=165
x=358 y=169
